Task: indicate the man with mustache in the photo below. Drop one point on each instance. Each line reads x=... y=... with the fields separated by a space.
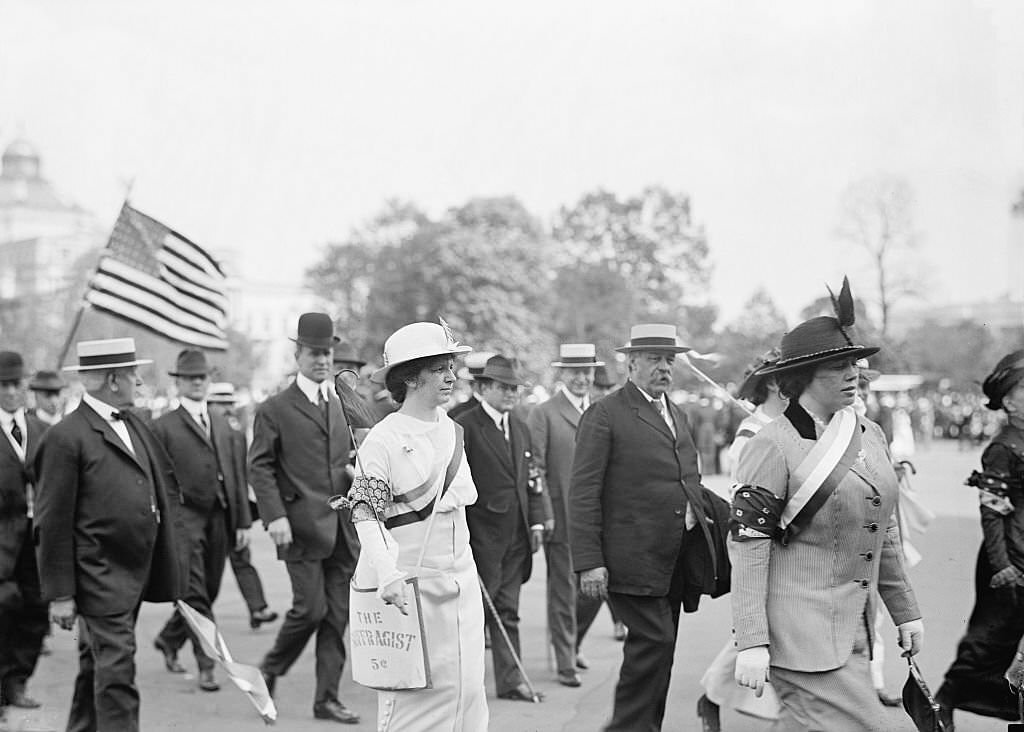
x=639 y=521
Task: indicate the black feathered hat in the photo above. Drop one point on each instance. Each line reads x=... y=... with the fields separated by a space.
x=1006 y=375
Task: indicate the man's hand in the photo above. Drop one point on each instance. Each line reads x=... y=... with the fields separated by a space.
x=241 y=539
x=63 y=613
x=394 y=594
x=752 y=668
x=911 y=637
x=536 y=538
x=594 y=583
x=549 y=529
x=1005 y=577
x=280 y=531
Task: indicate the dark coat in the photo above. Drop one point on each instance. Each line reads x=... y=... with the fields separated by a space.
x=553 y=436
x=501 y=471
x=297 y=462
x=200 y=463
x=15 y=478
x=631 y=482
x=98 y=538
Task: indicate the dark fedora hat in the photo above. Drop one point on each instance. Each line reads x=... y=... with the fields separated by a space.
x=499 y=368
x=12 y=367
x=316 y=330
x=1004 y=377
x=345 y=353
x=601 y=378
x=46 y=381
x=191 y=362
x=821 y=339
x=754 y=373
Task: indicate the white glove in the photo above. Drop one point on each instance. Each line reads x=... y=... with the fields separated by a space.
x=383 y=559
x=752 y=668
x=911 y=637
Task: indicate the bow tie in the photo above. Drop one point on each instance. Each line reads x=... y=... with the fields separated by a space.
x=118 y=415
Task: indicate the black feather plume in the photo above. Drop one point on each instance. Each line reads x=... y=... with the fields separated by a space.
x=843 y=305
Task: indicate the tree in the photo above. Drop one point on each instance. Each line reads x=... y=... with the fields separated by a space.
x=876 y=215
x=757 y=329
x=624 y=261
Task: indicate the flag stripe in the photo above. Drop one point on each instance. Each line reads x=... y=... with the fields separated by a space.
x=145 y=299
x=146 y=319
x=173 y=252
x=190 y=252
x=186 y=286
x=166 y=230
x=162 y=289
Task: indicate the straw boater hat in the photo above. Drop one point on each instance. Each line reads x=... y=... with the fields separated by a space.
x=12 y=367
x=1004 y=377
x=221 y=392
x=316 y=330
x=46 y=381
x=653 y=337
x=577 y=355
x=111 y=353
x=345 y=353
x=824 y=338
x=191 y=362
x=475 y=363
x=417 y=340
x=501 y=369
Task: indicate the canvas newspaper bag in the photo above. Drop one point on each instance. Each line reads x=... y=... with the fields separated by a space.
x=388 y=650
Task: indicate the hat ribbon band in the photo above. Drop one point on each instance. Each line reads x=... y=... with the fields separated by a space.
x=582 y=360
x=653 y=341
x=106 y=358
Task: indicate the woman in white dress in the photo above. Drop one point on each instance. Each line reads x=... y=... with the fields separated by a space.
x=417 y=453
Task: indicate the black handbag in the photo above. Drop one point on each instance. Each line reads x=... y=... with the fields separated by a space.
x=919 y=702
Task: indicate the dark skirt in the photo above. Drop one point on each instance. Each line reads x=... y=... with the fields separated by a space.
x=975 y=681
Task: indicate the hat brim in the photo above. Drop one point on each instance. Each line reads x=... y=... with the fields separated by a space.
x=320 y=343
x=188 y=374
x=817 y=358
x=108 y=366
x=577 y=365
x=220 y=400
x=672 y=349
x=378 y=376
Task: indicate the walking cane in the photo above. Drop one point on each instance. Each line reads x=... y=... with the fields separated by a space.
x=508 y=641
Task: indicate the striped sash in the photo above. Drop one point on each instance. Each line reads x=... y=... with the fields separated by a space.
x=820 y=472
x=417 y=503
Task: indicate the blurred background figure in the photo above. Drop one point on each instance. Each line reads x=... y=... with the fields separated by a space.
x=469 y=375
x=47 y=389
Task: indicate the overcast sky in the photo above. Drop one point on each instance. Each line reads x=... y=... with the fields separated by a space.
x=271 y=128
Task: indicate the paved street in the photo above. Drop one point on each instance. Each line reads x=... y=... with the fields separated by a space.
x=943 y=582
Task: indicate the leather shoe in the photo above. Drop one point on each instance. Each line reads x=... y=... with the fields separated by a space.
x=260 y=617
x=270 y=680
x=889 y=701
x=206 y=680
x=521 y=693
x=170 y=656
x=569 y=678
x=581 y=662
x=334 y=709
x=707 y=710
x=18 y=698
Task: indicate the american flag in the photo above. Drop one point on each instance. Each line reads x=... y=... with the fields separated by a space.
x=156 y=278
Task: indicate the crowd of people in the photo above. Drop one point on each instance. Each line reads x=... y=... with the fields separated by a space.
x=364 y=484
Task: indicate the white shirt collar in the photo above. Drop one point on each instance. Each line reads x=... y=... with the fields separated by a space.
x=579 y=402
x=18 y=415
x=193 y=407
x=101 y=408
x=498 y=417
x=649 y=398
x=50 y=419
x=310 y=387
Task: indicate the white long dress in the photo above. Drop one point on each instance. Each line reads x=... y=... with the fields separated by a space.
x=406 y=452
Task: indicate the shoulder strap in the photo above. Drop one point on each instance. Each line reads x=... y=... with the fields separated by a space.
x=820 y=472
x=456 y=461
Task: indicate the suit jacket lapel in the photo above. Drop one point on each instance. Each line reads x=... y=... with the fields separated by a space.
x=647 y=412
x=566 y=409
x=190 y=423
x=100 y=425
x=495 y=438
x=6 y=446
x=305 y=406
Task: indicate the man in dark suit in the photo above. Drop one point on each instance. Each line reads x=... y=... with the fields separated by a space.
x=106 y=526
x=474 y=367
x=634 y=502
x=297 y=460
x=208 y=464
x=508 y=520
x=48 y=391
x=553 y=434
x=23 y=619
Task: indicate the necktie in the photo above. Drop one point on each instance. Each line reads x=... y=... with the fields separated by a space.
x=660 y=406
x=320 y=401
x=204 y=423
x=16 y=434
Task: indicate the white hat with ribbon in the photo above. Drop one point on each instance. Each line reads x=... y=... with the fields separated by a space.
x=417 y=340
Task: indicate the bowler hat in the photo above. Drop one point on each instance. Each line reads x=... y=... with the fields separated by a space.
x=316 y=330
x=417 y=340
x=46 y=381
x=500 y=369
x=1004 y=377
x=346 y=353
x=577 y=355
x=221 y=392
x=110 y=353
x=475 y=363
x=191 y=362
x=12 y=368
x=653 y=337
x=821 y=339
x=754 y=373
